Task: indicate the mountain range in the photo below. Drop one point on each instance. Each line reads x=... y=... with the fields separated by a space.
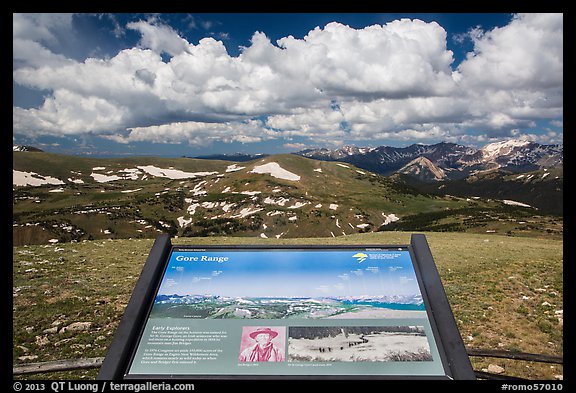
x=446 y=160
x=58 y=198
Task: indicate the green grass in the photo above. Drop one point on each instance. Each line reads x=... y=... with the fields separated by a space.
x=503 y=290
x=362 y=198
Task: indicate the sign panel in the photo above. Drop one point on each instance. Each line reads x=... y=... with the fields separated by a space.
x=340 y=311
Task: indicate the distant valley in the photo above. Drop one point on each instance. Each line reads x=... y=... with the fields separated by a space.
x=60 y=198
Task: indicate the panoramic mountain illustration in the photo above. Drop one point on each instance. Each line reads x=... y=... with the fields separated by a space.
x=205 y=306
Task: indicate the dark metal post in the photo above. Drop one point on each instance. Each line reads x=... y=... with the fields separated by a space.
x=119 y=350
x=456 y=354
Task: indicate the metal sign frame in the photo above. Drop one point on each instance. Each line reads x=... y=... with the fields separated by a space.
x=451 y=348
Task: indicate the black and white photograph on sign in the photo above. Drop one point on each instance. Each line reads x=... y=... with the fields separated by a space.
x=358 y=344
x=262 y=344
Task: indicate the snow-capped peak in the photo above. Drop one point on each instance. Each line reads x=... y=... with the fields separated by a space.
x=496 y=149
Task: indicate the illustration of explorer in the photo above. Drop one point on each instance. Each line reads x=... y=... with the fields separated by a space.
x=264 y=350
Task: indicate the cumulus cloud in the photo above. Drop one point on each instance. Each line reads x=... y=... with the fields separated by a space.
x=386 y=82
x=514 y=76
x=68 y=113
x=400 y=59
x=43 y=28
x=160 y=38
x=525 y=54
x=311 y=123
x=33 y=35
x=199 y=133
x=295 y=146
x=33 y=54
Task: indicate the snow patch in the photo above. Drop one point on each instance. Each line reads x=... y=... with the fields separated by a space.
x=275 y=170
x=279 y=201
x=183 y=222
x=20 y=178
x=298 y=205
x=100 y=178
x=172 y=173
x=192 y=208
x=234 y=168
x=130 y=173
x=227 y=206
x=389 y=218
x=514 y=203
x=197 y=190
x=246 y=212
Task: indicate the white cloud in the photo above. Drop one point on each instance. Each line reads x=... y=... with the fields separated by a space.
x=514 y=76
x=33 y=54
x=399 y=59
x=199 y=133
x=295 y=146
x=40 y=27
x=33 y=35
x=160 y=38
x=392 y=82
x=525 y=54
x=68 y=113
x=308 y=122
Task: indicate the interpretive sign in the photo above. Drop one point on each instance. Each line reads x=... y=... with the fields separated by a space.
x=278 y=311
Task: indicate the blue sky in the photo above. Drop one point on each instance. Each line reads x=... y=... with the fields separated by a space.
x=291 y=274
x=197 y=84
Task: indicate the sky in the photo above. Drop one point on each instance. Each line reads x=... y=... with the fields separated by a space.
x=200 y=84
x=291 y=274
